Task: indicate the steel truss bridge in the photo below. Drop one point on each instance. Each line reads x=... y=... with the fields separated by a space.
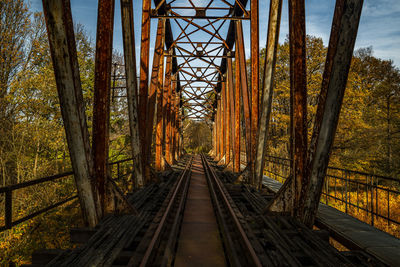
x=185 y=210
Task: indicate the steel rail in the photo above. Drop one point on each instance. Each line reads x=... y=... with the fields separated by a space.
x=163 y=222
x=248 y=246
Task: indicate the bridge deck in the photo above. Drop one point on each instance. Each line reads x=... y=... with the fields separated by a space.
x=199 y=242
x=353 y=233
x=191 y=236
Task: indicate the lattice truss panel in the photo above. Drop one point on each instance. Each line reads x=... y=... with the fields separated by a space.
x=200 y=30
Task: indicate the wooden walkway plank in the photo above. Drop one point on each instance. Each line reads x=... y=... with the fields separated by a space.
x=354 y=233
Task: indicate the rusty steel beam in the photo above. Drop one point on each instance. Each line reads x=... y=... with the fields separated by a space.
x=219 y=132
x=214 y=136
x=227 y=127
x=284 y=199
x=102 y=89
x=199 y=56
x=174 y=121
x=244 y=88
x=177 y=127
x=177 y=16
x=61 y=38
x=144 y=81
x=168 y=110
x=297 y=39
x=132 y=88
x=255 y=80
x=216 y=128
x=236 y=145
x=231 y=103
x=340 y=50
x=159 y=164
x=230 y=39
x=275 y=10
x=154 y=84
x=169 y=38
x=223 y=120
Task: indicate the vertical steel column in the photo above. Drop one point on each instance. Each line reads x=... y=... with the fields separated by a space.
x=219 y=132
x=231 y=106
x=214 y=135
x=178 y=129
x=216 y=128
x=236 y=146
x=340 y=50
x=255 y=80
x=227 y=124
x=223 y=119
x=102 y=89
x=60 y=31
x=167 y=110
x=131 y=87
x=244 y=88
x=269 y=70
x=297 y=38
x=177 y=117
x=155 y=85
x=144 y=80
x=173 y=118
x=159 y=120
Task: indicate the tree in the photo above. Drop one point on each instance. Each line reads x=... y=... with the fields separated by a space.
x=197 y=137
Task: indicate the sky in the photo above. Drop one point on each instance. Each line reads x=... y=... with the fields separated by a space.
x=379 y=25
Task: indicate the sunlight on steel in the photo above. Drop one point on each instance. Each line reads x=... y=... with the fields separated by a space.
x=200 y=31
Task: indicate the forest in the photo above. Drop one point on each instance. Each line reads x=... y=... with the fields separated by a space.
x=368 y=134
x=32 y=137
x=33 y=144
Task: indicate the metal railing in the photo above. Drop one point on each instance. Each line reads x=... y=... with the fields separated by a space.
x=8 y=193
x=357 y=192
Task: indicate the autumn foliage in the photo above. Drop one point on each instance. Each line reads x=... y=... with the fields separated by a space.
x=33 y=145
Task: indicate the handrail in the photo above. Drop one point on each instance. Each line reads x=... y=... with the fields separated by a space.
x=8 y=190
x=352 y=171
x=341 y=183
x=34 y=182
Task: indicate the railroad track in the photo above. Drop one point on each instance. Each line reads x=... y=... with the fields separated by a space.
x=202 y=221
x=241 y=247
x=159 y=249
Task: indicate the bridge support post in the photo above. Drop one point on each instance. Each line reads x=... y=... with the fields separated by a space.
x=244 y=87
x=173 y=118
x=297 y=38
x=231 y=106
x=217 y=128
x=158 y=76
x=101 y=105
x=267 y=85
x=168 y=110
x=255 y=80
x=144 y=85
x=222 y=118
x=236 y=145
x=132 y=88
x=340 y=50
x=289 y=198
x=63 y=53
x=226 y=122
x=176 y=126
